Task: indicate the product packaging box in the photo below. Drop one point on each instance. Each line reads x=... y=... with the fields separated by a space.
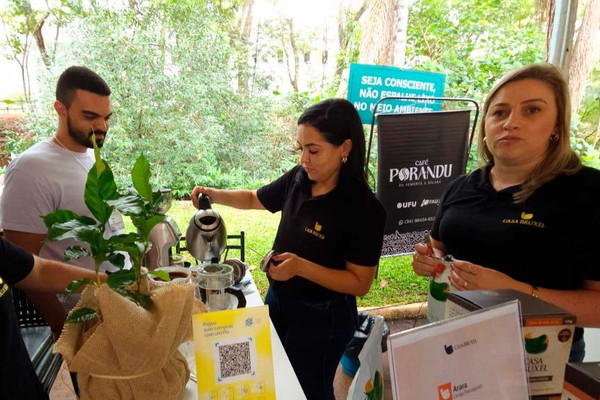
x=582 y=381
x=547 y=333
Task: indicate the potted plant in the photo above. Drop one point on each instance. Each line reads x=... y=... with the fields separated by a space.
x=122 y=338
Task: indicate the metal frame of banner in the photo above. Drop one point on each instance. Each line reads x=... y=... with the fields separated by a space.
x=456 y=99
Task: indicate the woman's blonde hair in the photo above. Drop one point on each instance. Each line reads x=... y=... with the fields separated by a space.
x=560 y=158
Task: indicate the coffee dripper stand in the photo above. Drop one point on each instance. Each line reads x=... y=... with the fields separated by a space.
x=164 y=237
x=206 y=240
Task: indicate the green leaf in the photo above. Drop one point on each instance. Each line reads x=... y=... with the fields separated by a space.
x=76 y=285
x=99 y=163
x=140 y=176
x=121 y=278
x=81 y=315
x=162 y=275
x=145 y=225
x=75 y=253
x=62 y=215
x=116 y=259
x=128 y=205
x=138 y=298
x=107 y=186
x=78 y=230
x=129 y=243
x=93 y=200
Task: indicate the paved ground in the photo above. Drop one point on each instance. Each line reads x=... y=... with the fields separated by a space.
x=63 y=389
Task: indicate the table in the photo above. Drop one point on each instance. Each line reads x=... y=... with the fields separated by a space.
x=286 y=382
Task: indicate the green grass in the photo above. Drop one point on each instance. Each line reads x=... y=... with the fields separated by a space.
x=260 y=227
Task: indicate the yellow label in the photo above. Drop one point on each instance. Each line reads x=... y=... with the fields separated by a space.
x=233 y=354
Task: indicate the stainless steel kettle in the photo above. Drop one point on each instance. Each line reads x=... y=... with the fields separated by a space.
x=206 y=236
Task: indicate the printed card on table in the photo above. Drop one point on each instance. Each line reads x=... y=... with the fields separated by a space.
x=233 y=354
x=476 y=356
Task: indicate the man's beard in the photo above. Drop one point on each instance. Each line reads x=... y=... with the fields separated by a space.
x=83 y=138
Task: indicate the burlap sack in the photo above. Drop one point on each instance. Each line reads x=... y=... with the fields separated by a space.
x=129 y=352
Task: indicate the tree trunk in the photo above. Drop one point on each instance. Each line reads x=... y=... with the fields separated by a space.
x=400 y=33
x=39 y=40
x=292 y=72
x=546 y=9
x=586 y=52
x=377 y=42
x=346 y=22
x=245 y=27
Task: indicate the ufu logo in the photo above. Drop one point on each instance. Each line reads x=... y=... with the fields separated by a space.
x=420 y=172
x=406 y=204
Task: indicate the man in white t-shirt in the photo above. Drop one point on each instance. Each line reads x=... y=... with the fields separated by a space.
x=51 y=175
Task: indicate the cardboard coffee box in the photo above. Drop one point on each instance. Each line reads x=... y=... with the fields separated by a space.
x=547 y=333
x=582 y=381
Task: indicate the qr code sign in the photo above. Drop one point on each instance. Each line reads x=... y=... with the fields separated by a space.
x=235 y=359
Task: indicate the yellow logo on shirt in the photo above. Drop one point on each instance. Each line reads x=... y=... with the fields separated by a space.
x=526 y=219
x=316 y=231
x=3 y=287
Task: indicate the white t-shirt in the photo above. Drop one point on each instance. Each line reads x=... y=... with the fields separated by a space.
x=43 y=179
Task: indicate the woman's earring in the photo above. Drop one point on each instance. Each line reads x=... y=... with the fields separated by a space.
x=554 y=137
x=344 y=159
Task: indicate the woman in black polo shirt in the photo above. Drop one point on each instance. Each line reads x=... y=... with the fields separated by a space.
x=18 y=379
x=519 y=221
x=329 y=241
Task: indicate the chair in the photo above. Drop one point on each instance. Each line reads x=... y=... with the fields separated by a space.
x=38 y=339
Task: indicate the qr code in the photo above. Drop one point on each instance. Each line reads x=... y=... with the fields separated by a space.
x=235 y=359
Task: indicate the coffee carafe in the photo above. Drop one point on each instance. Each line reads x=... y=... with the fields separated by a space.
x=206 y=236
x=164 y=236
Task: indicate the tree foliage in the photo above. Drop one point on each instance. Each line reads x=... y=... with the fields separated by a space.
x=167 y=63
x=474 y=42
x=192 y=88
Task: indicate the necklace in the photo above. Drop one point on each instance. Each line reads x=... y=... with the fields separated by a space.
x=55 y=138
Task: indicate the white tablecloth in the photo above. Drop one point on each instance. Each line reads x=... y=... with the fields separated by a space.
x=287 y=386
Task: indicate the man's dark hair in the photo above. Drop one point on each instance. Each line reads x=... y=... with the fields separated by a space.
x=83 y=78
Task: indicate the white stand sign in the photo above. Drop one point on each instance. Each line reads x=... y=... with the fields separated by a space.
x=476 y=356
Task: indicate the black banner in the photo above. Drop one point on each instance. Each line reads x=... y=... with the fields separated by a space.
x=418 y=155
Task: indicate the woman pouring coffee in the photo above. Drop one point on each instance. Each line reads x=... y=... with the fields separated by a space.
x=519 y=221
x=328 y=241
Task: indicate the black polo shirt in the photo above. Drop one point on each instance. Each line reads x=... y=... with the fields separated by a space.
x=548 y=241
x=345 y=224
x=18 y=379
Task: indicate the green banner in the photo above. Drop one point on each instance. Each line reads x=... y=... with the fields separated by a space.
x=370 y=83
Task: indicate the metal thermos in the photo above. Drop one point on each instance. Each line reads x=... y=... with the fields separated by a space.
x=164 y=236
x=206 y=236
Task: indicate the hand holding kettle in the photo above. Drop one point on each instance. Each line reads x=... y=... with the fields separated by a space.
x=198 y=190
x=206 y=236
x=242 y=199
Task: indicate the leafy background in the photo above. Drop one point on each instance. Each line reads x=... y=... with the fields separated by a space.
x=188 y=95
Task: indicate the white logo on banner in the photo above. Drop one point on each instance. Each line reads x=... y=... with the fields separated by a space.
x=420 y=173
x=407 y=204
x=430 y=202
